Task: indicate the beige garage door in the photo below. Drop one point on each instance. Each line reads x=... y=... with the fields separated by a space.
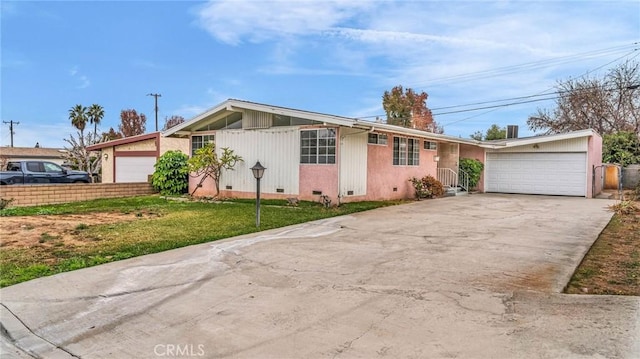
x=134 y=169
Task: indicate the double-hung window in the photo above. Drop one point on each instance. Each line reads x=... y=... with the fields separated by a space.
x=406 y=151
x=198 y=142
x=318 y=146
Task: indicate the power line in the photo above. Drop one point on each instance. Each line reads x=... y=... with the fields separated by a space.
x=544 y=96
x=11 y=123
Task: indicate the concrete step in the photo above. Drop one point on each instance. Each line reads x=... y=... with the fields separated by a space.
x=454 y=191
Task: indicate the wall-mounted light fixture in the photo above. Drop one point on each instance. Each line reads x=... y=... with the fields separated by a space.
x=106 y=156
x=436 y=158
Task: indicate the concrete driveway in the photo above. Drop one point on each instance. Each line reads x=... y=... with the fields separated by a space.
x=466 y=277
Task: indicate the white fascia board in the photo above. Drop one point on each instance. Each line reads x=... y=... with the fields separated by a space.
x=196 y=119
x=375 y=126
x=513 y=142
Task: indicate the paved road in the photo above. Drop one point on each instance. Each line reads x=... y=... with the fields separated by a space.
x=465 y=277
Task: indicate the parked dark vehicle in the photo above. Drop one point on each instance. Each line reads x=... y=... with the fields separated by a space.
x=40 y=172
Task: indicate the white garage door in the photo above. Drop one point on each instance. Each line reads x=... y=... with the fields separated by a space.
x=134 y=169
x=537 y=173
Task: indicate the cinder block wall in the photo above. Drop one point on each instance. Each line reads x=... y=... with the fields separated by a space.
x=631 y=176
x=34 y=195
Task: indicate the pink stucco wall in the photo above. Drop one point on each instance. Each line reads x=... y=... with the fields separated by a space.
x=323 y=178
x=383 y=176
x=469 y=151
x=208 y=188
x=594 y=159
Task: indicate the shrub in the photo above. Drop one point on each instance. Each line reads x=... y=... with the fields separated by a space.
x=4 y=203
x=427 y=187
x=171 y=176
x=473 y=168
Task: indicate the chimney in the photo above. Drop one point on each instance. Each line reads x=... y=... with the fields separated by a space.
x=512 y=131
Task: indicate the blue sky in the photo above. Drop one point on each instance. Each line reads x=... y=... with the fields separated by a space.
x=335 y=57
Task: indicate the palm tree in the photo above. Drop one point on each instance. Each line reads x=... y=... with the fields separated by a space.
x=78 y=117
x=96 y=113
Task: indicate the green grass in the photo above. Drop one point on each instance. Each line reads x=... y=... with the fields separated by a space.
x=179 y=224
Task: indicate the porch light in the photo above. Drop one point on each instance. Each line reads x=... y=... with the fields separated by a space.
x=258 y=171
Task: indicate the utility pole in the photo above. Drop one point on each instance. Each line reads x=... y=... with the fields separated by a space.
x=156 y=95
x=11 y=123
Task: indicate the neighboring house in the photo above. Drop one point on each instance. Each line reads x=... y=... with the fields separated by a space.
x=132 y=159
x=309 y=154
x=55 y=155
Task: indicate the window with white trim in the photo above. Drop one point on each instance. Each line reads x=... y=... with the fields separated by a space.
x=318 y=146
x=377 y=139
x=406 y=151
x=197 y=142
x=428 y=145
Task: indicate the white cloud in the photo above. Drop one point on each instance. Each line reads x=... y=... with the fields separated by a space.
x=458 y=52
x=234 y=21
x=83 y=80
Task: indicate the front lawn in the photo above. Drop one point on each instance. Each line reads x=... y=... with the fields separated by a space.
x=44 y=240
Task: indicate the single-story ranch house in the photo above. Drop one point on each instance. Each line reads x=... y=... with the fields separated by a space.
x=309 y=154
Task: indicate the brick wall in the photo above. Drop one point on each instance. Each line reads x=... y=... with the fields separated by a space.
x=33 y=195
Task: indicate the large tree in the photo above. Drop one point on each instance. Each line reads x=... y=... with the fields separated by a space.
x=95 y=114
x=494 y=132
x=172 y=121
x=111 y=135
x=132 y=123
x=408 y=108
x=79 y=117
x=607 y=104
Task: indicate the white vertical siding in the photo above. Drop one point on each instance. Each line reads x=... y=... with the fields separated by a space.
x=277 y=149
x=256 y=119
x=353 y=162
x=570 y=145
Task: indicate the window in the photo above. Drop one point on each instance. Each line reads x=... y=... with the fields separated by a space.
x=318 y=146
x=198 y=142
x=406 y=151
x=413 y=151
x=428 y=145
x=377 y=139
x=51 y=167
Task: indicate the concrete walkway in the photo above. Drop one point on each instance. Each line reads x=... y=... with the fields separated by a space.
x=466 y=277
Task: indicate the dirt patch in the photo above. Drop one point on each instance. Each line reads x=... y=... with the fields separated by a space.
x=612 y=265
x=57 y=230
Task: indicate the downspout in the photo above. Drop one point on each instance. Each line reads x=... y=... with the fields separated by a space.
x=339 y=156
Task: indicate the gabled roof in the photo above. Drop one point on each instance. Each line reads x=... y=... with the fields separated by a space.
x=34 y=152
x=123 y=141
x=233 y=105
x=523 y=141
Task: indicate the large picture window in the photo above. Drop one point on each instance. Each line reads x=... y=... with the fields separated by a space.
x=197 y=142
x=406 y=151
x=318 y=146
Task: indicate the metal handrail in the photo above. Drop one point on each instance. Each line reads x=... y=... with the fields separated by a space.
x=448 y=177
x=463 y=180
